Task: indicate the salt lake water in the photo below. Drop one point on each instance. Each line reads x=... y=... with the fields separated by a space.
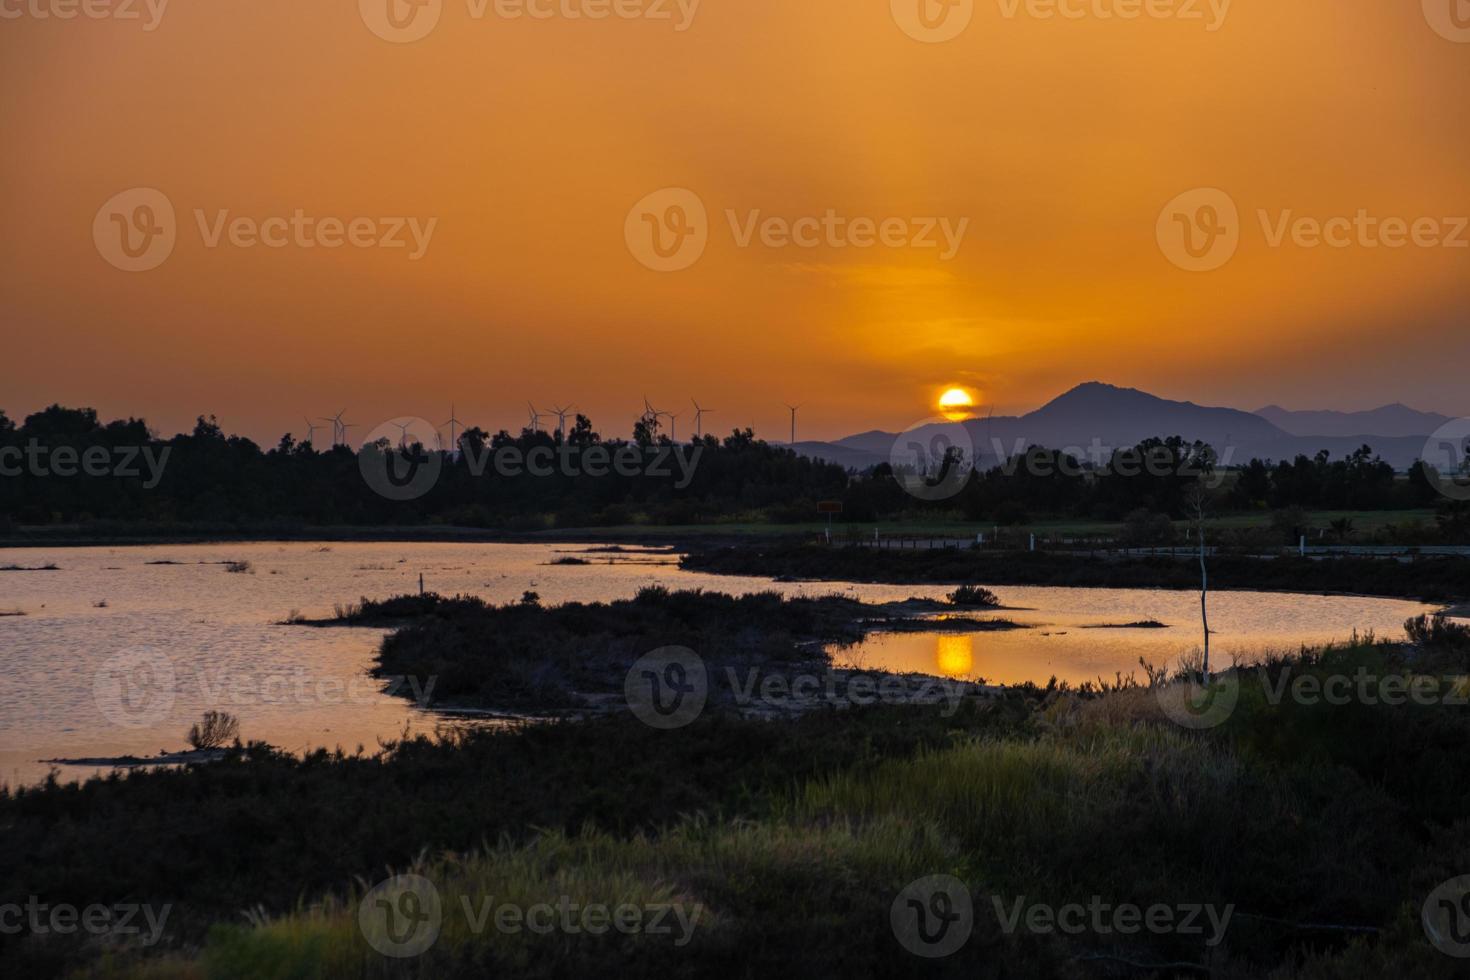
x=215 y=639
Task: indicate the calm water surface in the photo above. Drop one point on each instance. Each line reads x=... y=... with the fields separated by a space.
x=1074 y=635
x=108 y=613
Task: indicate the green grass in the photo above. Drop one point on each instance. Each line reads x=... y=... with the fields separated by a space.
x=1364 y=521
x=1139 y=815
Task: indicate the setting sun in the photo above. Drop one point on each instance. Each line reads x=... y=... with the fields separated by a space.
x=956 y=403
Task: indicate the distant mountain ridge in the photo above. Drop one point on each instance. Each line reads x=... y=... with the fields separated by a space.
x=1390 y=420
x=1127 y=416
x=1095 y=414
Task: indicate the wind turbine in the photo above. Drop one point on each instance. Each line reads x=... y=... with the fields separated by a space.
x=338 y=435
x=561 y=418
x=402 y=428
x=345 y=427
x=793 y=422
x=699 y=419
x=651 y=414
x=673 y=425
x=535 y=418
x=453 y=421
x=311 y=430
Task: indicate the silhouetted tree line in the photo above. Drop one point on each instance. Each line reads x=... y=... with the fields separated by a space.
x=1156 y=475
x=1362 y=481
x=207 y=477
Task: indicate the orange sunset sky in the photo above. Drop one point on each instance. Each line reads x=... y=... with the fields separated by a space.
x=529 y=140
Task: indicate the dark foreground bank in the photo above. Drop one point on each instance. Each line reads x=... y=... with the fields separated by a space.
x=1314 y=830
x=1430 y=579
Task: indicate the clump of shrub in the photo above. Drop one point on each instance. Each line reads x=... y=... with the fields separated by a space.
x=1144 y=527
x=531 y=655
x=1437 y=631
x=215 y=730
x=1291 y=523
x=240 y=567
x=974 y=596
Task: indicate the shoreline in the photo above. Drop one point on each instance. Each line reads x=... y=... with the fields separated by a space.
x=364 y=535
x=692 y=550
x=1431 y=581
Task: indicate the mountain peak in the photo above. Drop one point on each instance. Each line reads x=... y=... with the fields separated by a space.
x=1087 y=387
x=1125 y=416
x=1093 y=391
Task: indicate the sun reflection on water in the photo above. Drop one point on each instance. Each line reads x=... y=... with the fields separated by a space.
x=954 y=654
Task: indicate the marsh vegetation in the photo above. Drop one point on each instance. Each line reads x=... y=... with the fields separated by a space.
x=1323 y=824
